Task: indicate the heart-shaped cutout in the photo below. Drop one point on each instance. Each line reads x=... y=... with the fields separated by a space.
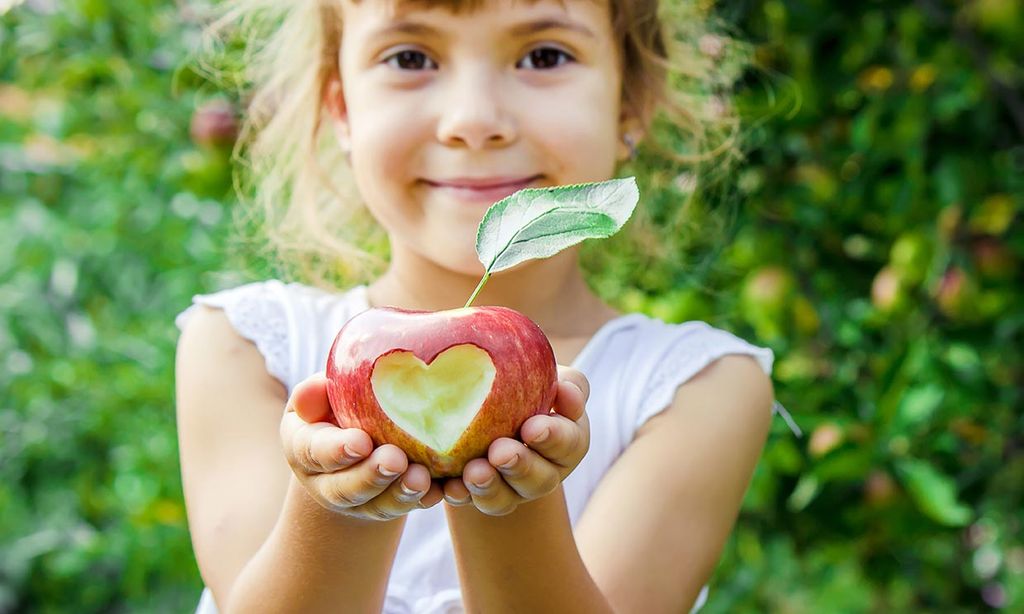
x=434 y=403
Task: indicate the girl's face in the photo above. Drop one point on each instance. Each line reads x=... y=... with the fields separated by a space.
x=516 y=93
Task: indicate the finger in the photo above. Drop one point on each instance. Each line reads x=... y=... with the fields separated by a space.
x=309 y=400
x=556 y=438
x=398 y=499
x=362 y=482
x=576 y=377
x=491 y=495
x=527 y=473
x=334 y=448
x=573 y=392
x=308 y=446
x=455 y=493
x=434 y=496
x=296 y=437
x=570 y=400
x=405 y=493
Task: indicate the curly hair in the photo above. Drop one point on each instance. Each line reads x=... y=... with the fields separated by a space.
x=300 y=207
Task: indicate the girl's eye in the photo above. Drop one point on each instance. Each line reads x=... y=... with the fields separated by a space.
x=409 y=59
x=547 y=57
x=543 y=58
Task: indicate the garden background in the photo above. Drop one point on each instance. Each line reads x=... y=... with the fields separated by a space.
x=876 y=247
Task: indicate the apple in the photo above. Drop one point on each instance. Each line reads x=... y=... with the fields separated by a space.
x=911 y=256
x=440 y=385
x=825 y=438
x=956 y=294
x=214 y=124
x=767 y=299
x=887 y=292
x=879 y=488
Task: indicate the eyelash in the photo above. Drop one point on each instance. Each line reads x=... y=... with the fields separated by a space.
x=562 y=52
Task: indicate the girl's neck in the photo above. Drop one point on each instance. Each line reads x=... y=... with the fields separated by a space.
x=551 y=292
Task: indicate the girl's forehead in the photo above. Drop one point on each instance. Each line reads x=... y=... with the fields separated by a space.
x=396 y=8
x=373 y=18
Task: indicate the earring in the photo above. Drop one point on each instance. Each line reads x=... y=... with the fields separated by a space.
x=631 y=143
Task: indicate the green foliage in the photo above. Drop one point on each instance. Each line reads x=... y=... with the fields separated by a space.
x=877 y=250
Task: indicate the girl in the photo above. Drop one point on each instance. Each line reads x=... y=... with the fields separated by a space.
x=619 y=502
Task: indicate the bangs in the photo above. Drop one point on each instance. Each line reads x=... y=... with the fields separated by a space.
x=401 y=7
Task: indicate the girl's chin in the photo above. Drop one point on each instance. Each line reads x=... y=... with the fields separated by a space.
x=473 y=268
x=470 y=269
x=464 y=263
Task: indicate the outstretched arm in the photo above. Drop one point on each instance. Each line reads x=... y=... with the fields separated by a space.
x=263 y=544
x=653 y=530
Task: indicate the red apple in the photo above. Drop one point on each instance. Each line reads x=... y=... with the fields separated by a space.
x=214 y=124
x=440 y=385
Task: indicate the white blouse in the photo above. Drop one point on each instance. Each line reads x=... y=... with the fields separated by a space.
x=634 y=365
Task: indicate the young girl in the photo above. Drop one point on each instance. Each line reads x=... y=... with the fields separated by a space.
x=619 y=502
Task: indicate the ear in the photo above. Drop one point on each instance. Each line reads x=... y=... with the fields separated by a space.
x=334 y=102
x=632 y=126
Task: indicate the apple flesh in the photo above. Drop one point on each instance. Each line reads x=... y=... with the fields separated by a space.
x=440 y=385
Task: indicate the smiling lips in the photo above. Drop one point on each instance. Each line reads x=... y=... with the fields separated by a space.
x=487 y=189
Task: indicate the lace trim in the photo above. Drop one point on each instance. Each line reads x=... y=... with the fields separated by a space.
x=258 y=315
x=693 y=353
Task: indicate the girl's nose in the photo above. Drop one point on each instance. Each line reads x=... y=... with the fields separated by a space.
x=476 y=112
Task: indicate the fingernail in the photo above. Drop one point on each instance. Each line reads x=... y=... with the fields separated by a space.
x=409 y=493
x=542 y=436
x=510 y=463
x=455 y=501
x=482 y=485
x=386 y=472
x=350 y=453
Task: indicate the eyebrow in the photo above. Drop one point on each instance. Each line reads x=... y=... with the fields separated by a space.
x=529 y=27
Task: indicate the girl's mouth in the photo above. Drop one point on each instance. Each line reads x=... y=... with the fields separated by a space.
x=489 y=190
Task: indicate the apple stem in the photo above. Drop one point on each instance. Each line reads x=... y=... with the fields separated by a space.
x=479 y=287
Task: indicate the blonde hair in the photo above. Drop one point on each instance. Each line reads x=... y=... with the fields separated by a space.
x=300 y=210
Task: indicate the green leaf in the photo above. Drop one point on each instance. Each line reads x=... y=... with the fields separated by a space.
x=918 y=405
x=934 y=493
x=806 y=489
x=540 y=222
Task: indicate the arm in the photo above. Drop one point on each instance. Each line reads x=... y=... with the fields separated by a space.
x=261 y=543
x=526 y=561
x=695 y=461
x=317 y=561
x=653 y=530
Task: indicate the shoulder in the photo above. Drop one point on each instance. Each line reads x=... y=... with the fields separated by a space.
x=653 y=360
x=286 y=322
x=733 y=387
x=696 y=365
x=210 y=343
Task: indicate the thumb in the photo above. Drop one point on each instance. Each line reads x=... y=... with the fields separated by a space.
x=309 y=400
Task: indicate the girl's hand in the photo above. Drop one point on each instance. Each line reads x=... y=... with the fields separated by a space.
x=340 y=468
x=540 y=465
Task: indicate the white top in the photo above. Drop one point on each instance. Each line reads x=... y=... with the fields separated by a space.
x=634 y=365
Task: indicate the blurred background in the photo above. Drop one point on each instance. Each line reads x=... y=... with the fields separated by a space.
x=877 y=249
